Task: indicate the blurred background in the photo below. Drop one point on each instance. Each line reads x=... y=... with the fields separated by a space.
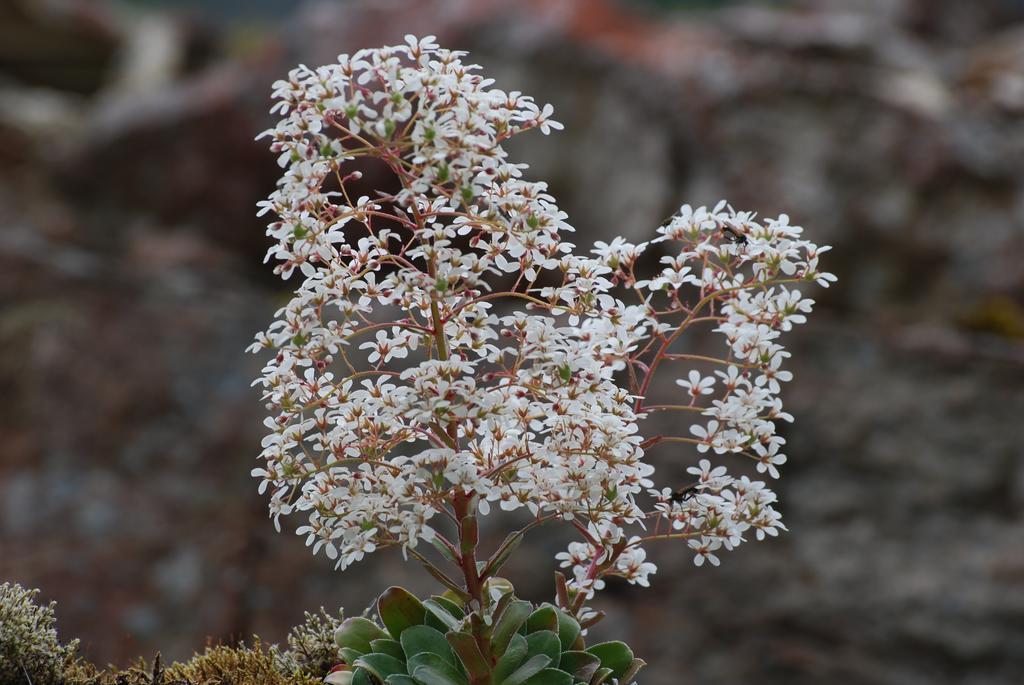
x=131 y=280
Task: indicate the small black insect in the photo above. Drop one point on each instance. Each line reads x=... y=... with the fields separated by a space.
x=685 y=494
x=734 y=236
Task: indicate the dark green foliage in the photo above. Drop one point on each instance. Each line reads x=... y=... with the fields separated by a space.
x=507 y=642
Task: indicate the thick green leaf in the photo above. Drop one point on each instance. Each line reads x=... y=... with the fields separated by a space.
x=389 y=647
x=380 y=665
x=550 y=676
x=602 y=676
x=569 y=631
x=399 y=609
x=465 y=646
x=451 y=607
x=338 y=678
x=437 y=665
x=460 y=598
x=349 y=654
x=630 y=675
x=399 y=680
x=511 y=619
x=500 y=605
x=498 y=584
x=425 y=675
x=544 y=642
x=356 y=633
x=544 y=618
x=614 y=655
x=438 y=617
x=581 y=665
x=514 y=655
x=361 y=676
x=532 y=666
x=424 y=639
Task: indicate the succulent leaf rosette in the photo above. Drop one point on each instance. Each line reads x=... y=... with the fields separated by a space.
x=507 y=641
x=448 y=352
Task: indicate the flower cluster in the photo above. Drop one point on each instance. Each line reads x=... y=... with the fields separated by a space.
x=447 y=350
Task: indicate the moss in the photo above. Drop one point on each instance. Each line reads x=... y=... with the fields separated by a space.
x=81 y=672
x=311 y=650
x=29 y=648
x=217 y=665
x=240 y=665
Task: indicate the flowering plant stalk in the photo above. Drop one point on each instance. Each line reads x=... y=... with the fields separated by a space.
x=447 y=351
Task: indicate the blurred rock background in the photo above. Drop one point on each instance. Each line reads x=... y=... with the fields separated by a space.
x=131 y=280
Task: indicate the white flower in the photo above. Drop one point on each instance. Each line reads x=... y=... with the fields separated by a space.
x=696 y=385
x=705 y=548
x=769 y=457
x=384 y=349
x=705 y=434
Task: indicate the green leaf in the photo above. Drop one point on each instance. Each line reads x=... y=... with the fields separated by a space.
x=469 y=654
x=500 y=605
x=338 y=678
x=581 y=665
x=361 y=676
x=544 y=618
x=389 y=647
x=532 y=666
x=443 y=549
x=502 y=554
x=550 y=676
x=350 y=655
x=630 y=675
x=614 y=655
x=425 y=675
x=544 y=642
x=498 y=586
x=443 y=578
x=399 y=609
x=561 y=589
x=435 y=666
x=398 y=679
x=356 y=633
x=450 y=606
x=569 y=630
x=511 y=619
x=601 y=677
x=511 y=659
x=438 y=617
x=380 y=665
x=424 y=639
x=459 y=598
